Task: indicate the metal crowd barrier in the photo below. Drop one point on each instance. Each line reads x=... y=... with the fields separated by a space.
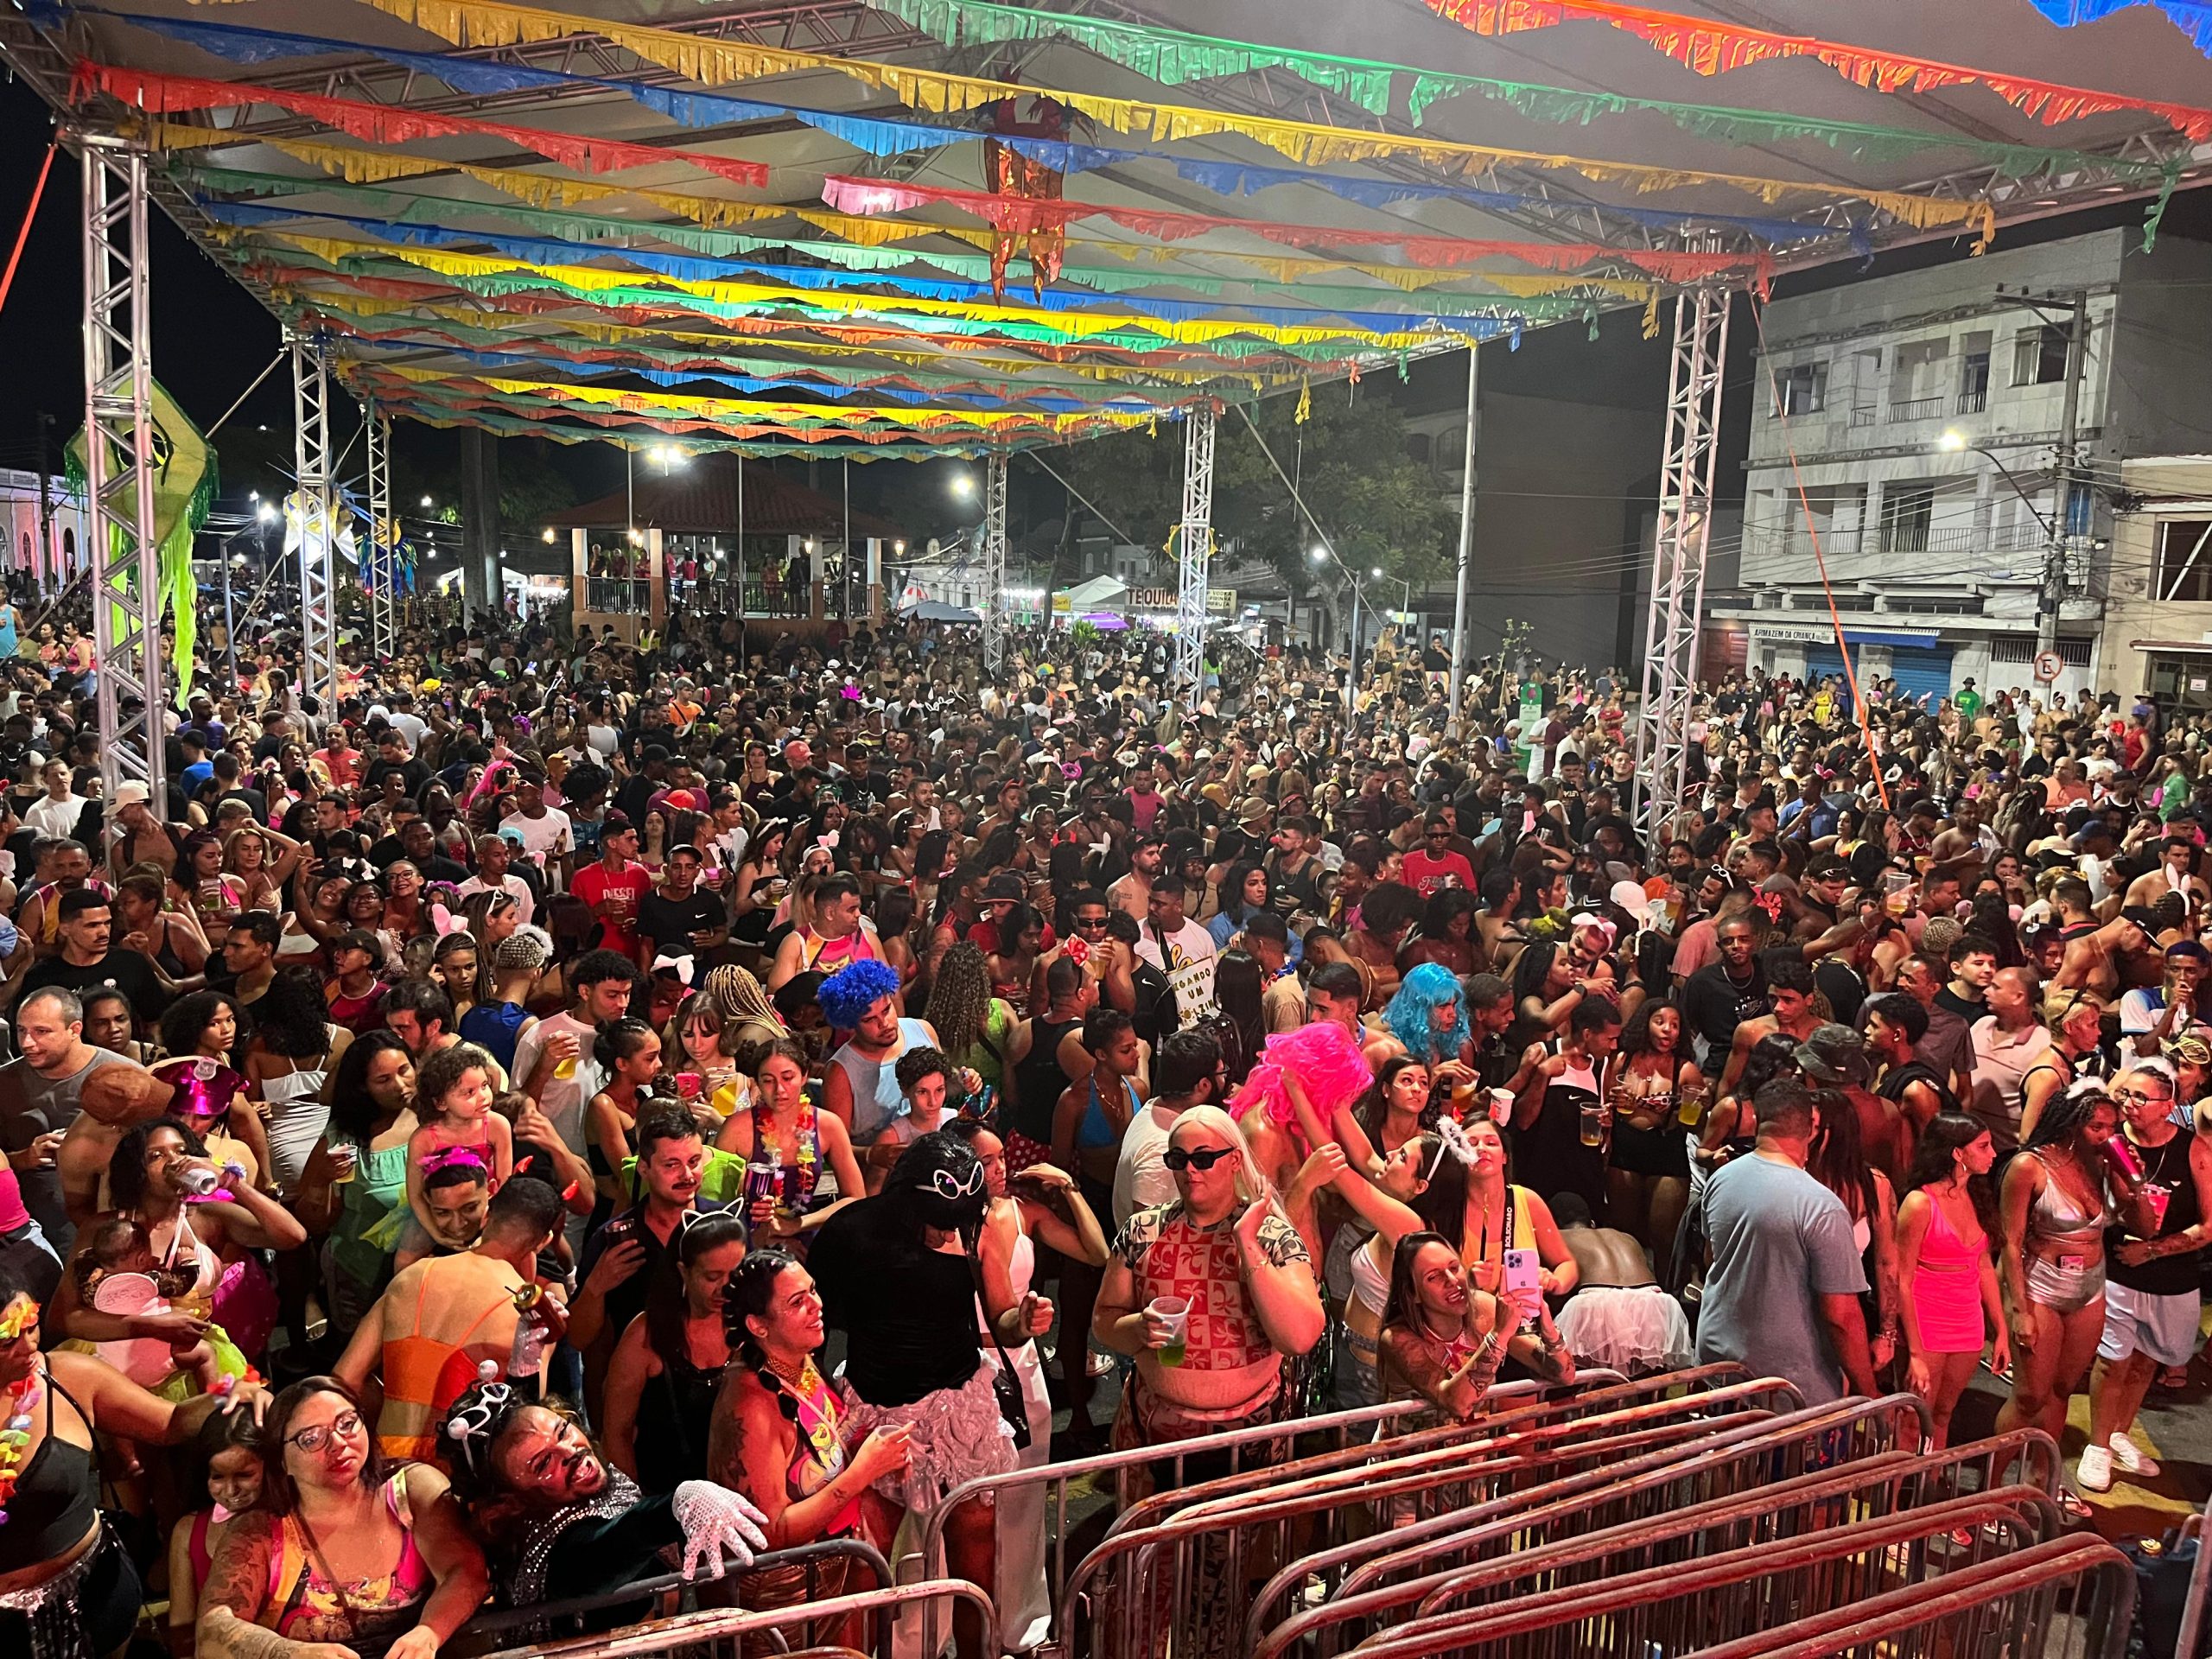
x=1137 y=1603
x=1338 y=1431
x=547 y=1619
x=2068 y=1598
x=733 y=1633
x=1370 y=1580
x=1681 y=1607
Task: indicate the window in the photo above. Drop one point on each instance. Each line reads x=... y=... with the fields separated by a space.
x=2039 y=356
x=2185 y=561
x=1973 y=374
x=1418 y=447
x=1802 y=389
x=1907 y=512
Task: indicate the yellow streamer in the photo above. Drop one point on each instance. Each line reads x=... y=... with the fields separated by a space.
x=894 y=312
x=719 y=62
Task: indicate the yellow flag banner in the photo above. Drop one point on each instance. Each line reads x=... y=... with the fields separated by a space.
x=476 y=23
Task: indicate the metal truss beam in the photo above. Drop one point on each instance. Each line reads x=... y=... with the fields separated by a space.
x=380 y=553
x=997 y=623
x=1677 y=604
x=1194 y=550
x=318 y=554
x=120 y=461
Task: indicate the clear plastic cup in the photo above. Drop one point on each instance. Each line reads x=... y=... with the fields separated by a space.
x=1177 y=1311
x=565 y=1069
x=1594 y=1114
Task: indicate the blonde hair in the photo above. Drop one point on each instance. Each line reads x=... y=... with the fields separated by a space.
x=1252 y=1184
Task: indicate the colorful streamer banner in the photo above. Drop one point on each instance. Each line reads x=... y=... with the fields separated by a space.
x=1018 y=216
x=1714 y=48
x=159 y=94
x=1354 y=306
x=1175 y=58
x=721 y=62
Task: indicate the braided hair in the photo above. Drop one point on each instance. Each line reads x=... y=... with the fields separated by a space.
x=748 y=1295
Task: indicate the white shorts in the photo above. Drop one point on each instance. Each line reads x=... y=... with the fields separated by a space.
x=2163 y=1327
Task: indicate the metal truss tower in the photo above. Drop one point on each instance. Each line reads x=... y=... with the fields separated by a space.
x=318 y=551
x=995 y=620
x=1194 y=548
x=1677 y=605
x=380 y=552
x=119 y=463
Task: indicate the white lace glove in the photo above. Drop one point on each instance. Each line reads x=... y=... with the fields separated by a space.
x=717 y=1523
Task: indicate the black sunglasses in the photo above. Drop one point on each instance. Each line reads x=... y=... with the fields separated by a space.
x=1202 y=1158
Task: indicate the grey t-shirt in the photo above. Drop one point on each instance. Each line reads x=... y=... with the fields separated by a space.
x=1780 y=1241
x=32 y=1104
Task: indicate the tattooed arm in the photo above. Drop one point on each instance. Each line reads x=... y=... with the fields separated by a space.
x=238 y=1584
x=750 y=1449
x=1542 y=1352
x=1405 y=1357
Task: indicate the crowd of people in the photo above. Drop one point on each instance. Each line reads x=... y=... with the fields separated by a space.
x=562 y=1112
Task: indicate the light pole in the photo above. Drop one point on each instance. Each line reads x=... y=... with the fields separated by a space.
x=2053 y=587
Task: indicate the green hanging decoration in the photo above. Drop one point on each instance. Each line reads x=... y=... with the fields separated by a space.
x=2157 y=211
x=1174 y=58
x=184 y=494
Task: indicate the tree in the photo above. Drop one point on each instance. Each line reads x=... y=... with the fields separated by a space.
x=1375 y=503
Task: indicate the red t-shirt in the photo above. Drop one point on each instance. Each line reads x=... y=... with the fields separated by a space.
x=622 y=894
x=1426 y=874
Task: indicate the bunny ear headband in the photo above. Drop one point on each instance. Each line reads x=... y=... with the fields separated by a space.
x=1451 y=1138
x=1584 y=919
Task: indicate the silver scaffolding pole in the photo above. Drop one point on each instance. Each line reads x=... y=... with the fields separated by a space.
x=1194 y=554
x=119 y=464
x=995 y=613
x=1677 y=605
x=311 y=452
x=380 y=556
x=1466 y=545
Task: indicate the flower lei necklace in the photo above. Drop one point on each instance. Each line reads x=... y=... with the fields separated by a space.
x=20 y=1315
x=764 y=1131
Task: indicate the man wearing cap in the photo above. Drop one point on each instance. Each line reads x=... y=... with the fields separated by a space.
x=137 y=835
x=1833 y=1056
x=2093 y=953
x=2153 y=1016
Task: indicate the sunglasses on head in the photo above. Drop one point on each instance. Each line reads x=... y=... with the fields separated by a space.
x=1179 y=1158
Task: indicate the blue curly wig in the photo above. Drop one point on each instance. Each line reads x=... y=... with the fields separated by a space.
x=853 y=990
x=1427 y=988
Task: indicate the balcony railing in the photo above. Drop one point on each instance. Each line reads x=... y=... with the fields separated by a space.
x=1865 y=414
x=1917 y=408
x=1926 y=538
x=1973 y=403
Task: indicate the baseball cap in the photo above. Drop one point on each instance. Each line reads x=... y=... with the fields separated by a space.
x=2144 y=916
x=1832 y=1054
x=132 y=793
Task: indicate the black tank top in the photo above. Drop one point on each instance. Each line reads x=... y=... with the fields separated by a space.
x=1039 y=1080
x=55 y=1500
x=2169 y=1275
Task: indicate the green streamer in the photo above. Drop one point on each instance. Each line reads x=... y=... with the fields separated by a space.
x=1174 y=58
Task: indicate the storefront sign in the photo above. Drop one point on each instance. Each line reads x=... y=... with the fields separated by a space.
x=1220 y=601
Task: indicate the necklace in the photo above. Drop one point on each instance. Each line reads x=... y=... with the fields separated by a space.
x=15 y=1438
x=794 y=1375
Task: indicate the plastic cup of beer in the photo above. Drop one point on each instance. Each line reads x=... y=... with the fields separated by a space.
x=1594 y=1122
x=345 y=1165
x=565 y=1068
x=1691 y=1112
x=1176 y=1310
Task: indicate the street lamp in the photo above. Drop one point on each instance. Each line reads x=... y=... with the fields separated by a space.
x=1954 y=442
x=426 y=501
x=963 y=485
x=266 y=513
x=549 y=536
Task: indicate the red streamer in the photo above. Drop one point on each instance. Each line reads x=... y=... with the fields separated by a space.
x=38 y=192
x=1714 y=48
x=1027 y=216
x=159 y=94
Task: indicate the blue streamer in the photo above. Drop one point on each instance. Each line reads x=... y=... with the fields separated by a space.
x=2192 y=18
x=695 y=268
x=876 y=136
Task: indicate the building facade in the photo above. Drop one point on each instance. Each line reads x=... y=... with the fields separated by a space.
x=1909 y=426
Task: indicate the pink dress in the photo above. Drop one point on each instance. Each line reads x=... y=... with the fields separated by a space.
x=1947 y=1288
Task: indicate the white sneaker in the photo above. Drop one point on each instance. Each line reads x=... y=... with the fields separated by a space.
x=2094 y=1473
x=2129 y=1461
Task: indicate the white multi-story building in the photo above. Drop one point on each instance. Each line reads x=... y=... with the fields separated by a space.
x=1920 y=414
